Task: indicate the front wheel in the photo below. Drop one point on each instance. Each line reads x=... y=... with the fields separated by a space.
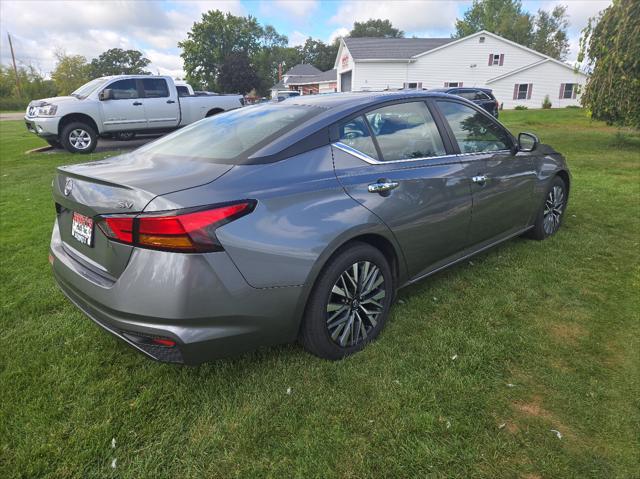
x=551 y=212
x=79 y=138
x=349 y=304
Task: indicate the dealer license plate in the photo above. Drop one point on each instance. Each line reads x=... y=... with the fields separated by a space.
x=82 y=228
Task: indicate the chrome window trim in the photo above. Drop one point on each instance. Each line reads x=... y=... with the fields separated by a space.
x=483 y=152
x=373 y=161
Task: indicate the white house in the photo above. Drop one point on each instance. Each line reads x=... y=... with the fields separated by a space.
x=516 y=74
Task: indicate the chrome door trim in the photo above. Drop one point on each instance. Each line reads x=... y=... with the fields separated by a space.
x=373 y=161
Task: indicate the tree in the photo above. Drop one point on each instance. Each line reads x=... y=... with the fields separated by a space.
x=319 y=54
x=546 y=32
x=71 y=71
x=213 y=39
x=266 y=62
x=550 y=34
x=117 y=61
x=502 y=17
x=375 y=28
x=237 y=75
x=611 y=45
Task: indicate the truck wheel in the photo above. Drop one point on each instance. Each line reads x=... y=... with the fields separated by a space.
x=79 y=137
x=125 y=135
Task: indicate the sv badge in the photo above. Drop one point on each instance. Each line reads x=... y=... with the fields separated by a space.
x=125 y=204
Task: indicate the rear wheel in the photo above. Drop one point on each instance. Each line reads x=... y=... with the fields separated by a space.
x=349 y=304
x=549 y=218
x=79 y=137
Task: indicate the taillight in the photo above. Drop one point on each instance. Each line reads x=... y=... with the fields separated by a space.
x=187 y=231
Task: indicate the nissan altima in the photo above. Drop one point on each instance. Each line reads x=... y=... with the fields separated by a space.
x=294 y=220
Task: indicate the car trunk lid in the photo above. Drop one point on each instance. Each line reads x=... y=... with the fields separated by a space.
x=120 y=185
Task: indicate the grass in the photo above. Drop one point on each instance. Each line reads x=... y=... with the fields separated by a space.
x=475 y=369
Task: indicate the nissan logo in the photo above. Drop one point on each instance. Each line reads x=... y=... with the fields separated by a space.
x=68 y=186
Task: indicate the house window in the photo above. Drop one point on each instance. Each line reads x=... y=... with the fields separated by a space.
x=413 y=86
x=496 y=59
x=481 y=39
x=452 y=84
x=568 y=91
x=522 y=91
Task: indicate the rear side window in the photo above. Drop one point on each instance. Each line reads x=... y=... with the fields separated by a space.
x=124 y=89
x=155 y=88
x=232 y=136
x=474 y=132
x=405 y=131
x=182 y=91
x=355 y=133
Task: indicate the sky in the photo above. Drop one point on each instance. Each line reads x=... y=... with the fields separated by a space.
x=41 y=28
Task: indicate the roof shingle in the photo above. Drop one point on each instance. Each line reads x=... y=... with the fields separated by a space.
x=392 y=48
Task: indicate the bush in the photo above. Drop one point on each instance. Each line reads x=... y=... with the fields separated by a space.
x=546 y=104
x=573 y=106
x=13 y=103
x=521 y=107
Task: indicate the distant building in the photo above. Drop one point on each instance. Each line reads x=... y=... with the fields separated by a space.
x=516 y=74
x=306 y=79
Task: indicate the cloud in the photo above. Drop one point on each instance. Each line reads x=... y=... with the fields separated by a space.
x=297 y=8
x=297 y=38
x=39 y=29
x=339 y=32
x=408 y=15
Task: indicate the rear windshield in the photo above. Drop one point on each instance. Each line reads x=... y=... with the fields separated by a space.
x=232 y=136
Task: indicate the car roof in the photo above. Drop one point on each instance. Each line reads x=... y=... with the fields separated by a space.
x=347 y=101
x=468 y=88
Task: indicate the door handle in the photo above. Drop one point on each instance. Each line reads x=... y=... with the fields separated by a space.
x=383 y=187
x=136 y=103
x=479 y=180
x=171 y=101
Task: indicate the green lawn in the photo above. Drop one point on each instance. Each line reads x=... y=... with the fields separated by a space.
x=545 y=336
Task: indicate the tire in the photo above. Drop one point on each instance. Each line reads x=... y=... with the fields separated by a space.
x=335 y=324
x=549 y=217
x=124 y=135
x=79 y=137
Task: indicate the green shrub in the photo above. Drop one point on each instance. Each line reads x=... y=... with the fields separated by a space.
x=573 y=106
x=13 y=103
x=521 y=107
x=546 y=104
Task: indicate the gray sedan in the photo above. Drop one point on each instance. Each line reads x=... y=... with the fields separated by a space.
x=293 y=220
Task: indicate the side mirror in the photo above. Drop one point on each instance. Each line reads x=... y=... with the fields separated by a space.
x=527 y=142
x=106 y=94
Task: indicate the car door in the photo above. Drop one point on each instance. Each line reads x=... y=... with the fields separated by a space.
x=394 y=161
x=125 y=110
x=160 y=105
x=502 y=181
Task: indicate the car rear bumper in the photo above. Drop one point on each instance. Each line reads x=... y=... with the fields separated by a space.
x=200 y=301
x=44 y=127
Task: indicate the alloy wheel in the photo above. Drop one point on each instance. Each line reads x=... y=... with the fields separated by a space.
x=355 y=303
x=80 y=139
x=553 y=208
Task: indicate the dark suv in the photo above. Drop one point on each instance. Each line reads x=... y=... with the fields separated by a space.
x=482 y=97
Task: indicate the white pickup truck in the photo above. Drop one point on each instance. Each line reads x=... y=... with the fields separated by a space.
x=121 y=106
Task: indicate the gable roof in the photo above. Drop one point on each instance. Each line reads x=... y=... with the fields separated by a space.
x=302 y=69
x=321 y=77
x=391 y=48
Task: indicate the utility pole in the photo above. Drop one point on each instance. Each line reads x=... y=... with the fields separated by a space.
x=15 y=69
